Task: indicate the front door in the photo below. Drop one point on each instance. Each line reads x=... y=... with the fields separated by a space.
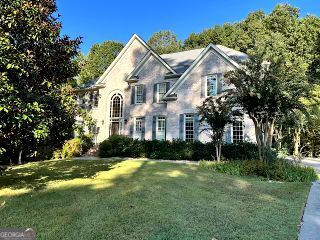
x=114 y=128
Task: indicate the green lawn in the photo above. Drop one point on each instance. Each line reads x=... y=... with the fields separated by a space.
x=82 y=199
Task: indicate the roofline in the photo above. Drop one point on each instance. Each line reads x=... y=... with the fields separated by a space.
x=144 y=60
x=196 y=62
x=110 y=67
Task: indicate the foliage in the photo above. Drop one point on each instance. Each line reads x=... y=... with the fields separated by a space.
x=280 y=170
x=35 y=62
x=74 y=147
x=266 y=92
x=97 y=61
x=240 y=151
x=164 y=42
x=121 y=146
x=215 y=114
x=71 y=148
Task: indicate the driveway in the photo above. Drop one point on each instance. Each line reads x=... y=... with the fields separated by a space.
x=312 y=162
x=310 y=229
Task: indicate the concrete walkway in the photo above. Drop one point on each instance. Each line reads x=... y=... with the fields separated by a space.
x=310 y=229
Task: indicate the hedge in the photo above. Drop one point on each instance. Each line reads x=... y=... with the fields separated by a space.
x=121 y=146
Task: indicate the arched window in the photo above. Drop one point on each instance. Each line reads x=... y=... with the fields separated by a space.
x=116 y=106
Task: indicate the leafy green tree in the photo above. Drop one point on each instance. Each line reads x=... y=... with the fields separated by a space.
x=35 y=62
x=266 y=92
x=164 y=42
x=97 y=61
x=215 y=114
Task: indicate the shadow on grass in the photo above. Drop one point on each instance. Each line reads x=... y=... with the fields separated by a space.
x=149 y=200
x=37 y=175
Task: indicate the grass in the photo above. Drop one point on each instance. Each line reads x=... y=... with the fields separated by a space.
x=80 y=199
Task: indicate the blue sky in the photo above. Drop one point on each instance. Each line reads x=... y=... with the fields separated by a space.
x=100 y=20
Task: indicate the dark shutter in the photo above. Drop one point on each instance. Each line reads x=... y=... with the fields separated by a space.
x=203 y=86
x=154 y=126
x=143 y=129
x=144 y=93
x=219 y=83
x=196 y=126
x=155 y=93
x=131 y=127
x=181 y=126
x=167 y=86
x=133 y=91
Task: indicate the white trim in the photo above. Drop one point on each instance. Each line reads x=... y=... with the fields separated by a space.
x=158 y=92
x=135 y=93
x=108 y=118
x=206 y=85
x=110 y=67
x=165 y=126
x=184 y=126
x=197 y=62
x=138 y=68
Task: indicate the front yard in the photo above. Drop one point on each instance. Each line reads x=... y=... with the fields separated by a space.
x=80 y=199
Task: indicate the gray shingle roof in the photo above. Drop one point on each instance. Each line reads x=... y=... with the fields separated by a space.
x=181 y=61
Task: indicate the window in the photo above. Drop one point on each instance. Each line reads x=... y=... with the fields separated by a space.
x=116 y=106
x=162 y=90
x=212 y=87
x=237 y=132
x=138 y=125
x=139 y=94
x=189 y=127
x=161 y=128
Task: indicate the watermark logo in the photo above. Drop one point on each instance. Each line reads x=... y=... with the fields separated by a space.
x=17 y=234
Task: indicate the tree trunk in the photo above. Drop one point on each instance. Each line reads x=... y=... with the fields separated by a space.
x=264 y=131
x=19 y=159
x=296 y=142
x=217 y=152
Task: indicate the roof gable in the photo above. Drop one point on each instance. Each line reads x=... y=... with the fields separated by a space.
x=198 y=61
x=122 y=52
x=145 y=59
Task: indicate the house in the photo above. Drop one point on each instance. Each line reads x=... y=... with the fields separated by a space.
x=149 y=96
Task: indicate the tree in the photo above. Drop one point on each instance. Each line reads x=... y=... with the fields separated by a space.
x=266 y=92
x=97 y=61
x=215 y=114
x=35 y=62
x=164 y=42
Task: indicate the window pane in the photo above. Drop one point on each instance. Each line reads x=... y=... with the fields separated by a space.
x=211 y=85
x=138 y=127
x=139 y=94
x=189 y=127
x=237 y=132
x=162 y=89
x=116 y=106
x=161 y=128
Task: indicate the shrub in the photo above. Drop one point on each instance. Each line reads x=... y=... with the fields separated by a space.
x=71 y=148
x=57 y=154
x=121 y=146
x=280 y=170
x=240 y=151
x=86 y=142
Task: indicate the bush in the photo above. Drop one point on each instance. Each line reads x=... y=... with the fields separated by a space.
x=121 y=146
x=57 y=154
x=71 y=148
x=240 y=151
x=86 y=142
x=280 y=170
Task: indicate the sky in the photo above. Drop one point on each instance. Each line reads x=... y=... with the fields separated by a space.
x=97 y=21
